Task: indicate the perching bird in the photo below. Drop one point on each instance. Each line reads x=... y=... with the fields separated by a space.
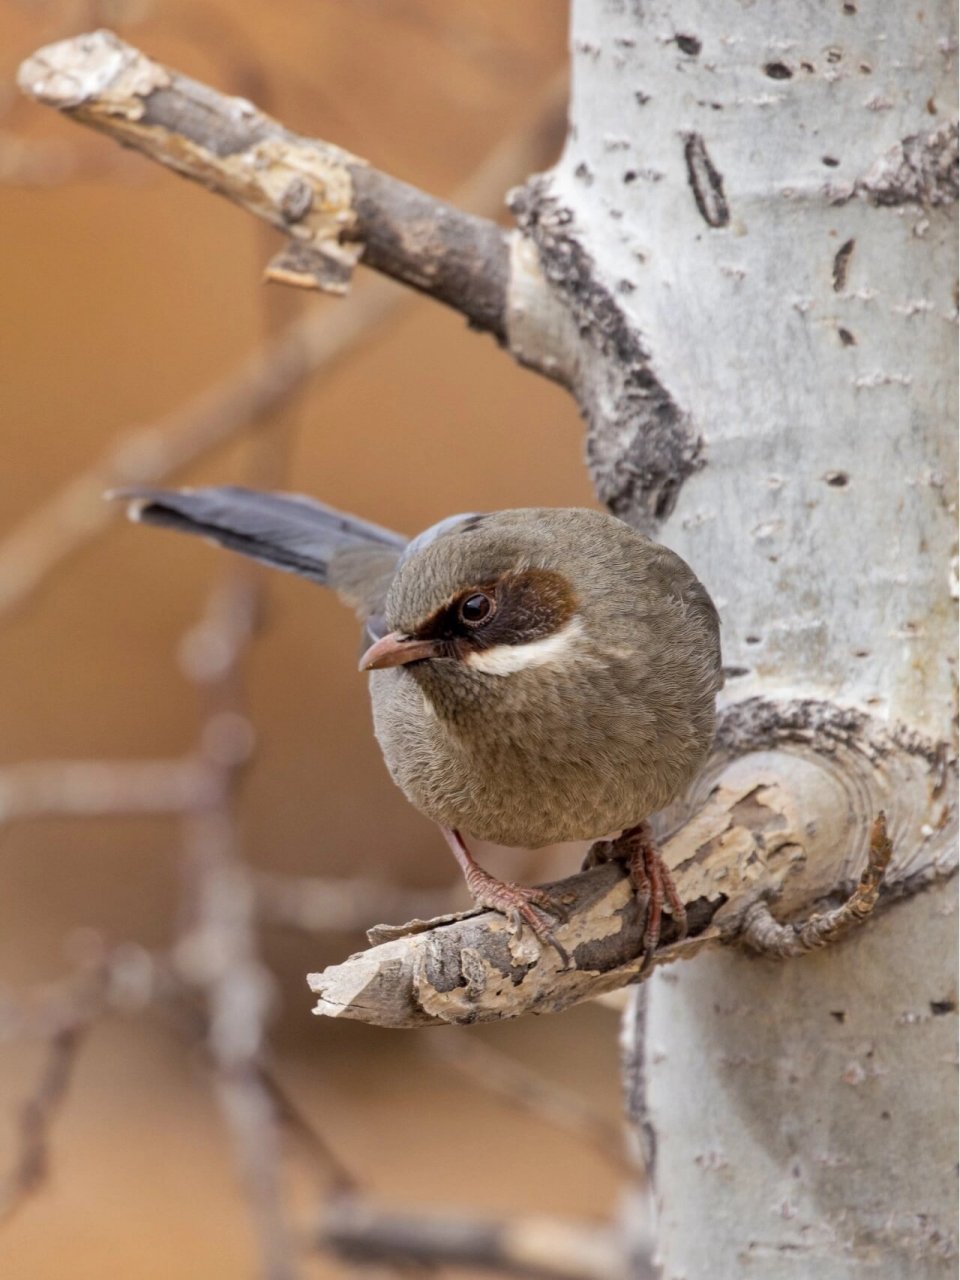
x=537 y=675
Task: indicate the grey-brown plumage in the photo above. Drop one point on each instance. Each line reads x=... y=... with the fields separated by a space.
x=596 y=738
x=537 y=675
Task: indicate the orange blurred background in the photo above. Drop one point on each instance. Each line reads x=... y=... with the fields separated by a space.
x=127 y=291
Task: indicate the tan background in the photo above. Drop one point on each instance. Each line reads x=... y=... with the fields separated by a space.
x=125 y=291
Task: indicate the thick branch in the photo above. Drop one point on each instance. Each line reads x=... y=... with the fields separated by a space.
x=330 y=204
x=470 y=968
x=789 y=823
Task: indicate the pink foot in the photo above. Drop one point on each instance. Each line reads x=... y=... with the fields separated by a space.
x=521 y=904
x=651 y=880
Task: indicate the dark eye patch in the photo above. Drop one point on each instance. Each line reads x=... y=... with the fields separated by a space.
x=530 y=605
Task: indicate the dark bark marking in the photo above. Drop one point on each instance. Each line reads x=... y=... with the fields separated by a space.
x=706 y=182
x=846 y=337
x=761 y=724
x=841 y=265
x=307 y=266
x=296 y=201
x=640 y=446
x=778 y=71
x=688 y=44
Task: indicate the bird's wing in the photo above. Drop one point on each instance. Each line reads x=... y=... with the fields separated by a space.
x=285 y=530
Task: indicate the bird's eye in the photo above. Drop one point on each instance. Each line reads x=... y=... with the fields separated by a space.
x=476 y=609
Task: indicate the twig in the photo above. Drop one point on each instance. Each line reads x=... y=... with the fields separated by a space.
x=328 y=202
x=534 y=1248
x=530 y=1091
x=157 y=450
x=339 y=1179
x=762 y=933
x=60 y=1015
x=217 y=955
x=36 y=1114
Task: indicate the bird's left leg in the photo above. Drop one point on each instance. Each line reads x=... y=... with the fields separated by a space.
x=651 y=879
x=518 y=902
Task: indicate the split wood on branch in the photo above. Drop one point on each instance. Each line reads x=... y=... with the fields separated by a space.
x=331 y=205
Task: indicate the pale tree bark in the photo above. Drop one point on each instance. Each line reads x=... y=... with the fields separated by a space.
x=742 y=268
x=769 y=197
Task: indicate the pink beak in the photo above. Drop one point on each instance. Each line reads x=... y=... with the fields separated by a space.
x=396 y=650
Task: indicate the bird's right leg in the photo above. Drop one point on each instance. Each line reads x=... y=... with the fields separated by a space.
x=652 y=882
x=519 y=903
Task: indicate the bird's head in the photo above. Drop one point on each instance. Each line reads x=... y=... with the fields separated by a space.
x=492 y=596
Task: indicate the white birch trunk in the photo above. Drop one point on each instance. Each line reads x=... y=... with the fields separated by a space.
x=767 y=194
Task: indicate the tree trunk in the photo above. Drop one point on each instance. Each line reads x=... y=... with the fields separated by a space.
x=767 y=199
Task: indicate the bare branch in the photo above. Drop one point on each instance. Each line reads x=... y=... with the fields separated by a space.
x=319 y=904
x=31 y=1164
x=533 y=1248
x=763 y=934
x=322 y=198
x=530 y=1091
x=151 y=453
x=97 y=788
x=327 y=1164
x=471 y=968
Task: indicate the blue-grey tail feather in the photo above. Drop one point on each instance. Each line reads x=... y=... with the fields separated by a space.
x=286 y=530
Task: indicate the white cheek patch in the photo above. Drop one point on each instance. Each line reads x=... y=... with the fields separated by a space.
x=505 y=659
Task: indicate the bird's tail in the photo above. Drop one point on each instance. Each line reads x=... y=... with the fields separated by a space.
x=285 y=530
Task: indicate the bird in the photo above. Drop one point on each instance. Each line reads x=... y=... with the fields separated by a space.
x=537 y=675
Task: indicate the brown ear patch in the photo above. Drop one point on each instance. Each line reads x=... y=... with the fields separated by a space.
x=531 y=604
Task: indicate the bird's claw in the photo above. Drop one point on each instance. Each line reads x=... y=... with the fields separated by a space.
x=651 y=880
x=524 y=905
